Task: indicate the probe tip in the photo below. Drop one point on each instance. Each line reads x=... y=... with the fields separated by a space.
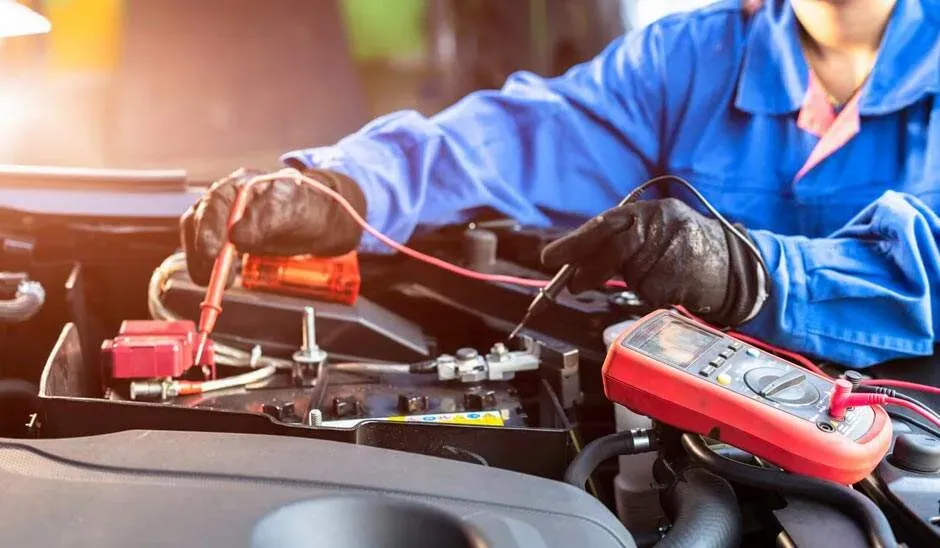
x=518 y=328
x=200 y=350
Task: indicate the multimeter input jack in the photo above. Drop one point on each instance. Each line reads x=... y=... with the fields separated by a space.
x=842 y=399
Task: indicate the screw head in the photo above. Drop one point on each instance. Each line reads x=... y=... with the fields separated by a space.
x=467 y=354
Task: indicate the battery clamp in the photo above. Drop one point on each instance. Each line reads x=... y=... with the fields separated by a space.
x=701 y=380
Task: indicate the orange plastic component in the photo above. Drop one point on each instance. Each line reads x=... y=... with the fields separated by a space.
x=335 y=280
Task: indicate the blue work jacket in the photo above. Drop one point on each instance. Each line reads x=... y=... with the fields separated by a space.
x=843 y=206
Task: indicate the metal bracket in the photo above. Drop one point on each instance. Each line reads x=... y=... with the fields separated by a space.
x=499 y=364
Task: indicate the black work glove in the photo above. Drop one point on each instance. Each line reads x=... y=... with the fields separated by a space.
x=283 y=218
x=669 y=254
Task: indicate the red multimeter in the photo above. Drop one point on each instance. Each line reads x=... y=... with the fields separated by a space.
x=701 y=380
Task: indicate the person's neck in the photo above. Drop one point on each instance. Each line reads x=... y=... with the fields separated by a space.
x=843 y=27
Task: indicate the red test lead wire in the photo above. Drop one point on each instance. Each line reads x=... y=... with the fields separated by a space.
x=843 y=398
x=290 y=173
x=211 y=306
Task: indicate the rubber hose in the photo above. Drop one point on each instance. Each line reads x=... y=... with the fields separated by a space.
x=599 y=450
x=869 y=516
x=704 y=512
x=30 y=296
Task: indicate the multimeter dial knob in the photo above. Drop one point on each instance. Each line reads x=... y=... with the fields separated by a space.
x=787 y=387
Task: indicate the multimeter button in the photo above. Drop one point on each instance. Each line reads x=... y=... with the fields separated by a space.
x=726 y=353
x=717 y=362
x=707 y=370
x=752 y=352
x=724 y=379
x=734 y=345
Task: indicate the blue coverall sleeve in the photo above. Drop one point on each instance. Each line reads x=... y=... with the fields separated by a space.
x=539 y=150
x=866 y=294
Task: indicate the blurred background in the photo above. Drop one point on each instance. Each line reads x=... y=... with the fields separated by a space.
x=211 y=85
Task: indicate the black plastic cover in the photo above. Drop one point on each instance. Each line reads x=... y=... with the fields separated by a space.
x=362 y=331
x=158 y=488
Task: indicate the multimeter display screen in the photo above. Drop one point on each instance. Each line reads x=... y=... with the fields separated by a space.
x=677 y=343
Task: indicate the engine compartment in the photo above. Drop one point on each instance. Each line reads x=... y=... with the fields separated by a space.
x=417 y=364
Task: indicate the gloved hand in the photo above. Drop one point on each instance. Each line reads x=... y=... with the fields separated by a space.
x=669 y=254
x=283 y=218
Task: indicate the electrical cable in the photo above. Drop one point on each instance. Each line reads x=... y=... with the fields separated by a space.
x=714 y=212
x=566 y=423
x=869 y=516
x=918 y=403
x=844 y=398
x=453 y=450
x=234 y=381
x=361 y=368
x=567 y=271
x=911 y=421
x=891 y=383
x=297 y=176
x=925 y=413
x=895 y=394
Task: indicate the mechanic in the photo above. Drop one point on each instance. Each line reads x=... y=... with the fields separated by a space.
x=812 y=124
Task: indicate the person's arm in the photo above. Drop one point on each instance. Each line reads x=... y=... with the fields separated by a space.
x=866 y=294
x=539 y=150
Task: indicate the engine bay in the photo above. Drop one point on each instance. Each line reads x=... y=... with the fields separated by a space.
x=349 y=384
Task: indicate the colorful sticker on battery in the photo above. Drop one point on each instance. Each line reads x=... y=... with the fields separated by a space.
x=475 y=418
